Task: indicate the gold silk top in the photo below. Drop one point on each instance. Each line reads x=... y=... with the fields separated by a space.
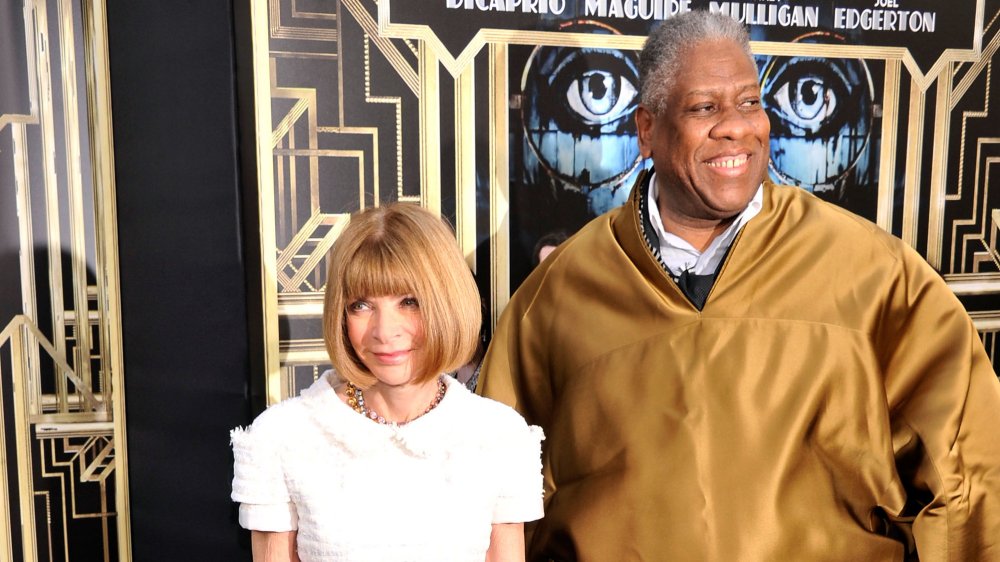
x=832 y=401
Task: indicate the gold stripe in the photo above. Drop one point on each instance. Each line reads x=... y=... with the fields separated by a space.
x=499 y=182
x=305 y=34
x=961 y=89
x=939 y=167
x=395 y=58
x=371 y=132
x=75 y=188
x=22 y=435
x=281 y=31
x=6 y=531
x=976 y=198
x=465 y=164
x=887 y=153
x=265 y=195
x=296 y=55
x=430 y=131
x=310 y=15
x=106 y=242
x=984 y=62
x=22 y=186
x=397 y=104
x=301 y=305
x=914 y=161
x=307 y=100
x=986 y=321
x=50 y=177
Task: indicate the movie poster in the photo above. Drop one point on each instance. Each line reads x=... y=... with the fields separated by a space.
x=514 y=120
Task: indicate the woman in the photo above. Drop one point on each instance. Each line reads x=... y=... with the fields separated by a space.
x=386 y=458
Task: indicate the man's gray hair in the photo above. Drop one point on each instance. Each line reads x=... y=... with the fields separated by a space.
x=661 y=54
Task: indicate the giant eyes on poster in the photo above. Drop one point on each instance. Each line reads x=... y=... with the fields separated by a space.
x=925 y=29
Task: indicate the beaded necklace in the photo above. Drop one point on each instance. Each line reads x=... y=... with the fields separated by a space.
x=356 y=400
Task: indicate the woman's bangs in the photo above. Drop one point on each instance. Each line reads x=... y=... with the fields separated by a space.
x=376 y=271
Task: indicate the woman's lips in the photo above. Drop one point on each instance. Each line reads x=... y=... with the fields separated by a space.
x=391 y=357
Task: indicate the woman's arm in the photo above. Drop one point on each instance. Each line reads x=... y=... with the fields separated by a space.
x=276 y=547
x=506 y=543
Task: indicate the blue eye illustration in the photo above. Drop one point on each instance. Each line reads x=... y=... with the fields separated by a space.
x=577 y=108
x=601 y=97
x=821 y=113
x=809 y=97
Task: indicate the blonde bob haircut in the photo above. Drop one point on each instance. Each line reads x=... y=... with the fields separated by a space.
x=402 y=249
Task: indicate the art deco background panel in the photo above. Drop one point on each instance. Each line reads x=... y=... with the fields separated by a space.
x=61 y=359
x=516 y=125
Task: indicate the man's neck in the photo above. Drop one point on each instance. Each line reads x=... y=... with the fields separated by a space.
x=697 y=232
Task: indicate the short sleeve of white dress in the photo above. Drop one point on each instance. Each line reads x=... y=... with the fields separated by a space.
x=258 y=476
x=520 y=456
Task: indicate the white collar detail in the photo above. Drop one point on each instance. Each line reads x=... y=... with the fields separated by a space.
x=678 y=255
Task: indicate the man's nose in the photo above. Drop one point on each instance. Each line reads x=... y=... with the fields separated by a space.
x=733 y=124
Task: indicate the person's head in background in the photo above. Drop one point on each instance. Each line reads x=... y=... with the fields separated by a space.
x=546 y=245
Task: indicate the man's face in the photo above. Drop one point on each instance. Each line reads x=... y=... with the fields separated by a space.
x=710 y=143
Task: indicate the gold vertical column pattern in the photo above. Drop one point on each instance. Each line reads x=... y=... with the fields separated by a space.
x=6 y=544
x=465 y=164
x=939 y=165
x=914 y=160
x=499 y=181
x=39 y=16
x=107 y=274
x=22 y=438
x=74 y=191
x=22 y=181
x=887 y=153
x=430 y=129
x=265 y=194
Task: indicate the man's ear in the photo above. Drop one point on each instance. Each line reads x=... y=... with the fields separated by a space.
x=644 y=122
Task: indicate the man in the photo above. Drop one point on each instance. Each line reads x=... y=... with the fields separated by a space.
x=727 y=369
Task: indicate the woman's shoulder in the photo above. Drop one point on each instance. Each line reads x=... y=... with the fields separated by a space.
x=289 y=416
x=490 y=418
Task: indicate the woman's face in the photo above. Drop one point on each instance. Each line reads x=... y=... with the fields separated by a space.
x=385 y=333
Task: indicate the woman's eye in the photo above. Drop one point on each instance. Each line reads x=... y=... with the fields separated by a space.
x=410 y=302
x=358 y=306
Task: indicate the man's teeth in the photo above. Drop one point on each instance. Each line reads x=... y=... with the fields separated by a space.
x=729 y=162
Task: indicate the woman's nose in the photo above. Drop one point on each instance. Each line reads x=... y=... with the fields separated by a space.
x=386 y=324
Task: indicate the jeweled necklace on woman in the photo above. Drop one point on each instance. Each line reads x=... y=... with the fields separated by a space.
x=356 y=400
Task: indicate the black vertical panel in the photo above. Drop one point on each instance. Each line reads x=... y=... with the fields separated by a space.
x=182 y=272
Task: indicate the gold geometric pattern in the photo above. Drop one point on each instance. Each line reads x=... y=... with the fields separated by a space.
x=307 y=249
x=328 y=158
x=63 y=363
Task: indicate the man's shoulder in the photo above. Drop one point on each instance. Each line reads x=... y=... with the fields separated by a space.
x=811 y=216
